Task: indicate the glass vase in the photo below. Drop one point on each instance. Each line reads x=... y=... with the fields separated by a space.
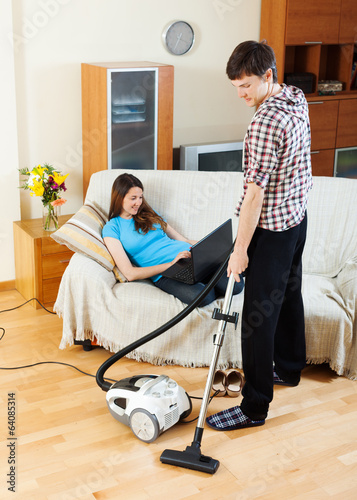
x=50 y=217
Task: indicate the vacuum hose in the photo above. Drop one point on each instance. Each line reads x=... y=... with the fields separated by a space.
x=103 y=384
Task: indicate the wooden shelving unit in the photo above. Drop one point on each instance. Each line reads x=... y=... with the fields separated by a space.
x=103 y=134
x=320 y=38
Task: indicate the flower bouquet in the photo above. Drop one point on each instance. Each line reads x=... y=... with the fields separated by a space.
x=47 y=182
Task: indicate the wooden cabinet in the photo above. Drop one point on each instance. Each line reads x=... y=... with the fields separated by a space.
x=39 y=261
x=322 y=162
x=348 y=28
x=347 y=124
x=316 y=21
x=315 y=37
x=323 y=122
x=319 y=38
x=127 y=116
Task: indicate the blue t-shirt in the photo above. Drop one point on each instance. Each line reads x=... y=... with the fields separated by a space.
x=144 y=250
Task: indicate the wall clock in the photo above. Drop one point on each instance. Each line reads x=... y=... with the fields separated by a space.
x=178 y=37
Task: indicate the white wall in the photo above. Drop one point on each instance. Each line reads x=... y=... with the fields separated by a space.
x=9 y=193
x=53 y=37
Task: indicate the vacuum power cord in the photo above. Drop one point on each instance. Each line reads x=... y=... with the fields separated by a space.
x=2 y=334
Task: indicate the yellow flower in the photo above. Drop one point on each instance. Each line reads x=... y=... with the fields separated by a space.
x=37 y=188
x=38 y=171
x=59 y=179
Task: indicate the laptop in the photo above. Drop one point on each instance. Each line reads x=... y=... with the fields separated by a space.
x=206 y=256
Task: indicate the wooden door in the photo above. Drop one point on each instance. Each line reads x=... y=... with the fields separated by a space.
x=322 y=162
x=348 y=27
x=347 y=124
x=323 y=122
x=316 y=21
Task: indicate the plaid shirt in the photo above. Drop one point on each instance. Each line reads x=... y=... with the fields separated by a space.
x=277 y=158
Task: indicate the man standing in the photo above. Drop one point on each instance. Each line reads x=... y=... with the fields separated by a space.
x=271 y=233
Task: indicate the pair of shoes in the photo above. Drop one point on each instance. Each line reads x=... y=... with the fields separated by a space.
x=228 y=383
x=279 y=381
x=231 y=419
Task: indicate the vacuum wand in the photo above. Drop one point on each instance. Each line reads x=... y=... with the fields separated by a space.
x=191 y=457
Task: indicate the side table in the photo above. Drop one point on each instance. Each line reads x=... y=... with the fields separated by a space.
x=39 y=261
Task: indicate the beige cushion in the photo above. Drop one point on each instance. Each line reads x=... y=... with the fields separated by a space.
x=82 y=233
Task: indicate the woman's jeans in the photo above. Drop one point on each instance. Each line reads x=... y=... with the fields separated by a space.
x=187 y=293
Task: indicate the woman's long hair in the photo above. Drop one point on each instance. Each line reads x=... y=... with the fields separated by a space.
x=146 y=217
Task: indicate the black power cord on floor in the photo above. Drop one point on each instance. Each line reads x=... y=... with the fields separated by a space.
x=40 y=362
x=27 y=301
x=68 y=364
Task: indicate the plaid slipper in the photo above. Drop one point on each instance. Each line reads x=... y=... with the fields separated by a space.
x=231 y=419
x=279 y=381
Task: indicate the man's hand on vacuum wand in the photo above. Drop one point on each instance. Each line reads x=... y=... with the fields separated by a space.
x=237 y=264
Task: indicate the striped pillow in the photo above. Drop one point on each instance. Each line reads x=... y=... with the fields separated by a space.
x=82 y=233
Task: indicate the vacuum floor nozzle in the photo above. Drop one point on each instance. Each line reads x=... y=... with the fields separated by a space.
x=191 y=458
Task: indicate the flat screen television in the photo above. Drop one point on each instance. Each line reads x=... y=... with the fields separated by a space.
x=345 y=163
x=212 y=157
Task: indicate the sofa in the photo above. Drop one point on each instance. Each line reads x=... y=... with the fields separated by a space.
x=98 y=305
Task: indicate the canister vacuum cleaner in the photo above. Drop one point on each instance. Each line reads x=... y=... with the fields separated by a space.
x=148 y=404
x=151 y=404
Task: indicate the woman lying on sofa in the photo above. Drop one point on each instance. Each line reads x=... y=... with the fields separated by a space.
x=143 y=245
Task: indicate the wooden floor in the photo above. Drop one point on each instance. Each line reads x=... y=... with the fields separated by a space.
x=69 y=447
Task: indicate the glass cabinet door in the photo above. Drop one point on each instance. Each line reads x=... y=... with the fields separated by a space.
x=132 y=115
